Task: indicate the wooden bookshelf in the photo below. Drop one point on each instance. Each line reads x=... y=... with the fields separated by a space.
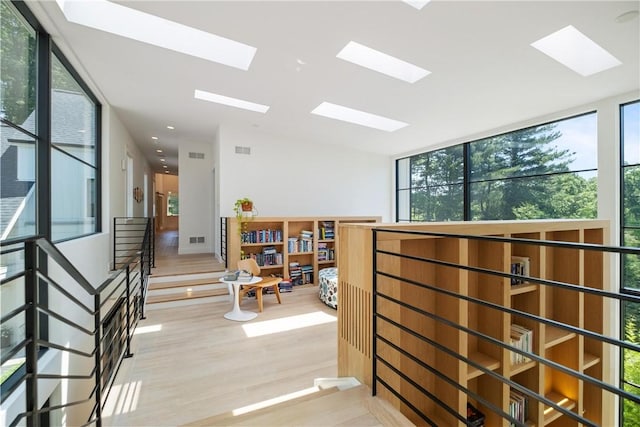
x=315 y=253
x=562 y=346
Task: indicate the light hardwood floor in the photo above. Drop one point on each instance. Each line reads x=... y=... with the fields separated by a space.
x=169 y=263
x=190 y=363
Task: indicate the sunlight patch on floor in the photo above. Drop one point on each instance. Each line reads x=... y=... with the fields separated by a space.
x=147 y=329
x=274 y=401
x=289 y=323
x=123 y=398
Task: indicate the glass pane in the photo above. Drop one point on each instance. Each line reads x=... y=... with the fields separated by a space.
x=73 y=197
x=631 y=366
x=73 y=115
x=631 y=262
x=438 y=167
x=570 y=195
x=17 y=187
x=17 y=68
x=567 y=145
x=631 y=196
x=402 y=173
x=404 y=205
x=438 y=203
x=173 y=205
x=631 y=133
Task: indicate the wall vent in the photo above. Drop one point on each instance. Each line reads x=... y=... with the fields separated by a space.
x=193 y=240
x=243 y=150
x=201 y=239
x=193 y=155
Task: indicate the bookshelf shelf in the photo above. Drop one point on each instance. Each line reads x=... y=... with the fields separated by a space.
x=555 y=336
x=519 y=368
x=249 y=245
x=523 y=288
x=590 y=360
x=300 y=253
x=485 y=361
x=550 y=414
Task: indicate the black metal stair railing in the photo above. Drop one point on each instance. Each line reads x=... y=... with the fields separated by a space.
x=397 y=377
x=51 y=309
x=130 y=234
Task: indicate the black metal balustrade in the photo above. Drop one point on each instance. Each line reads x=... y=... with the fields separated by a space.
x=130 y=234
x=51 y=309
x=425 y=355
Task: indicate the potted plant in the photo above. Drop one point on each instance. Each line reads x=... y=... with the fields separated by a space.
x=244 y=213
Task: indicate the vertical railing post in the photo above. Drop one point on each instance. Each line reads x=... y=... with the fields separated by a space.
x=142 y=292
x=31 y=331
x=114 y=244
x=98 y=355
x=374 y=312
x=153 y=242
x=128 y=352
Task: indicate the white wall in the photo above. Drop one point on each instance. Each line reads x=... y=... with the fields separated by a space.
x=196 y=198
x=294 y=178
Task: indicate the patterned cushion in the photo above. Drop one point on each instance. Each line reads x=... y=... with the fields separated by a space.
x=328 y=291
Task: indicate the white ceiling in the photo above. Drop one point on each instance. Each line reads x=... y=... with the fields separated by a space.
x=484 y=73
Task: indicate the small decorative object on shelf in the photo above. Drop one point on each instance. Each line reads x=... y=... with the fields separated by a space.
x=138 y=195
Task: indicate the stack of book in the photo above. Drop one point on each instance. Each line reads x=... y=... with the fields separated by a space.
x=326 y=231
x=519 y=265
x=305 y=241
x=285 y=286
x=307 y=274
x=522 y=339
x=323 y=252
x=295 y=273
x=518 y=406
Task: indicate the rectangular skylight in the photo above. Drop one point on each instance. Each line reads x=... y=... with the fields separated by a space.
x=381 y=62
x=346 y=114
x=130 y=23
x=418 y=4
x=573 y=49
x=232 y=102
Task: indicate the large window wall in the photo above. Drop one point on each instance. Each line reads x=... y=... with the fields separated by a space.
x=50 y=164
x=545 y=171
x=630 y=230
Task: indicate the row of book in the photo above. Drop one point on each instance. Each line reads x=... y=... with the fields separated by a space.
x=265 y=259
x=518 y=406
x=295 y=245
x=519 y=265
x=522 y=339
x=325 y=253
x=326 y=231
x=300 y=274
x=261 y=236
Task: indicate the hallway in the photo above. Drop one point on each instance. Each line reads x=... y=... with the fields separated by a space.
x=169 y=263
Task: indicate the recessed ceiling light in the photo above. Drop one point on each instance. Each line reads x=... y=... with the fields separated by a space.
x=170 y=127
x=573 y=49
x=155 y=138
x=133 y=24
x=346 y=114
x=165 y=166
x=418 y=4
x=158 y=151
x=166 y=171
x=232 y=102
x=381 y=62
x=162 y=160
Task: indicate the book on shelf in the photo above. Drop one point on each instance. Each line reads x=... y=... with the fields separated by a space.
x=475 y=418
x=522 y=339
x=520 y=265
x=261 y=236
x=518 y=406
x=295 y=273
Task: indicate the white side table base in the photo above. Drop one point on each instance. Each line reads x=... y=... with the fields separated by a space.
x=237 y=314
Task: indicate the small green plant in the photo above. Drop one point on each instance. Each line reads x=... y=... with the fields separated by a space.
x=243 y=205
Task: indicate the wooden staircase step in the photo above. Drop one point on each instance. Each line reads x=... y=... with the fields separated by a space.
x=228 y=418
x=185 y=295
x=183 y=283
